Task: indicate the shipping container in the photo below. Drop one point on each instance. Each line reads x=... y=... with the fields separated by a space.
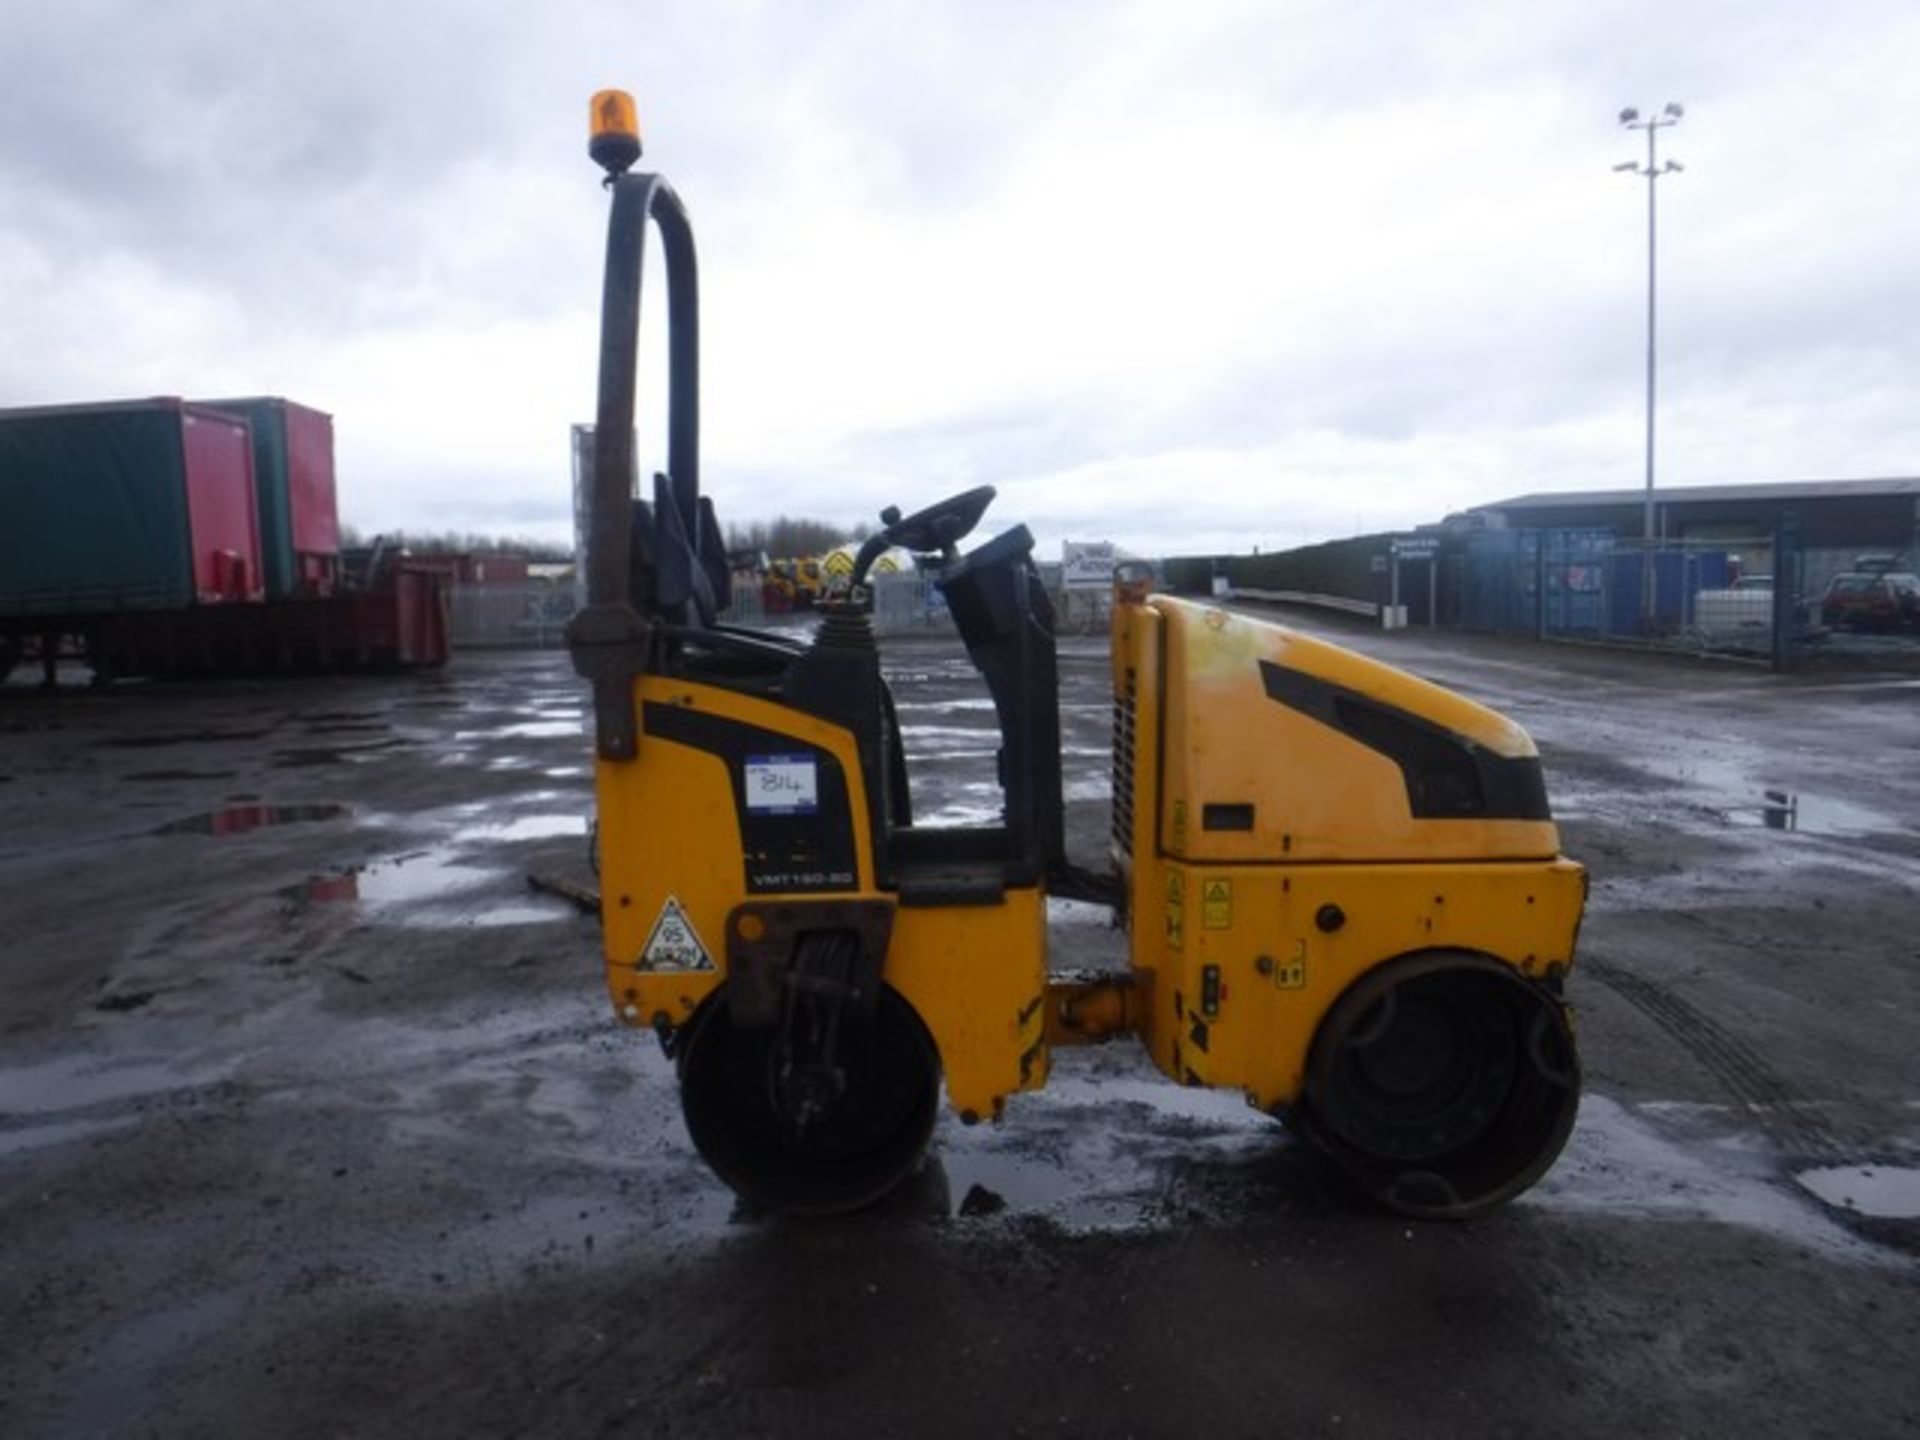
x=129 y=505
x=294 y=476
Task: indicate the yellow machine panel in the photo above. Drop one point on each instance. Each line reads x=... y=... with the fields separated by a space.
x=668 y=889
x=987 y=1018
x=1251 y=958
x=672 y=857
x=1278 y=746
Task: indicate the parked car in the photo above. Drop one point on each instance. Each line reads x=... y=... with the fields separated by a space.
x=1865 y=600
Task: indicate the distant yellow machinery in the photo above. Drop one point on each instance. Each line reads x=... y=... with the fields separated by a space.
x=1342 y=888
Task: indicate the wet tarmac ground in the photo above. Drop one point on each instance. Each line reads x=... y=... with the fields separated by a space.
x=314 y=1118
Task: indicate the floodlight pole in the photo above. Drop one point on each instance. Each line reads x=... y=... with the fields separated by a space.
x=1653 y=124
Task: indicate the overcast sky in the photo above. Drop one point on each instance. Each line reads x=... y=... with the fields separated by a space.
x=1187 y=276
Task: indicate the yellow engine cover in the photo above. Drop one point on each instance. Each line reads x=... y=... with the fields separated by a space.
x=1281 y=747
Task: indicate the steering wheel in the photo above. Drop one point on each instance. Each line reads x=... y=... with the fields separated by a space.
x=938 y=528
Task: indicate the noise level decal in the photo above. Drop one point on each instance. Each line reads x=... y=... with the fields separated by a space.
x=674 y=944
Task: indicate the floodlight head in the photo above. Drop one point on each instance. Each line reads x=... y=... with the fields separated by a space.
x=1626 y=165
x=1674 y=109
x=1675 y=166
x=1629 y=115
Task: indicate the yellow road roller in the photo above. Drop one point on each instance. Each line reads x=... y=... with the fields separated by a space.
x=1341 y=886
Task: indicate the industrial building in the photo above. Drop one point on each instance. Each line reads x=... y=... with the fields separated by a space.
x=1837 y=520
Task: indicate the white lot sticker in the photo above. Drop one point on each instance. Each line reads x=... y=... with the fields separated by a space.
x=673 y=945
x=782 y=784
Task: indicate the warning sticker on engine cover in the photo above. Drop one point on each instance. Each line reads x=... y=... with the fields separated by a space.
x=674 y=943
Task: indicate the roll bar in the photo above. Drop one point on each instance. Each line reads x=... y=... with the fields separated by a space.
x=609 y=638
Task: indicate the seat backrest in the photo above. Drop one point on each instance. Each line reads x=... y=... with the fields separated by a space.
x=1006 y=620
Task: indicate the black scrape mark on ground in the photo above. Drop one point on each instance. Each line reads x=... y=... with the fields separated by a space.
x=126 y=1000
x=180 y=737
x=330 y=755
x=1730 y=1060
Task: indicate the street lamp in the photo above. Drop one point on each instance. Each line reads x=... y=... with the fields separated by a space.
x=1630 y=120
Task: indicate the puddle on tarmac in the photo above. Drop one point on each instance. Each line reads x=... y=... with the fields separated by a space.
x=1885 y=1192
x=524 y=730
x=428 y=885
x=958 y=815
x=536 y=910
x=422 y=876
x=1618 y=1162
x=1746 y=801
x=525 y=827
x=77 y=1081
x=1814 y=814
x=1094 y=1150
x=36 y=1137
x=982 y=1182
x=237 y=819
x=964 y=703
x=1078 y=912
x=911 y=733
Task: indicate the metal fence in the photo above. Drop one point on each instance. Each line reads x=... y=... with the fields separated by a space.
x=902 y=605
x=1766 y=598
x=494 y=617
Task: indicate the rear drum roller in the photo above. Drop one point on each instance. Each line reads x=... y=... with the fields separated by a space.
x=1444 y=1083
x=812 y=1138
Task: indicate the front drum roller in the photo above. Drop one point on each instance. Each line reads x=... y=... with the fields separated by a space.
x=866 y=1123
x=1443 y=1083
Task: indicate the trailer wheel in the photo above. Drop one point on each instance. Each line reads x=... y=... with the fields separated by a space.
x=860 y=1141
x=10 y=649
x=1443 y=1083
